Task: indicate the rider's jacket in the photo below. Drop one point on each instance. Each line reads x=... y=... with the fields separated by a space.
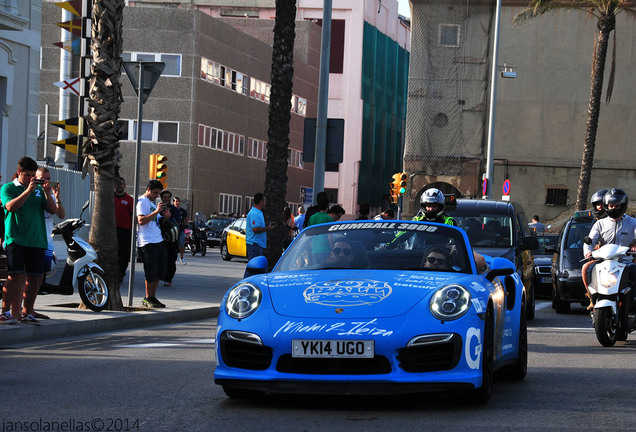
x=441 y=218
x=620 y=232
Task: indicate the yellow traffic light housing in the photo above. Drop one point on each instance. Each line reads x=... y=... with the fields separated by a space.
x=402 y=179
x=152 y=167
x=394 y=186
x=161 y=170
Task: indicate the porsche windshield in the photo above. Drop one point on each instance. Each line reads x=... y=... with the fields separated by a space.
x=378 y=245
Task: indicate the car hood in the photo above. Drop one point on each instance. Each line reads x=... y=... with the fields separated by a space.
x=354 y=294
x=508 y=253
x=542 y=260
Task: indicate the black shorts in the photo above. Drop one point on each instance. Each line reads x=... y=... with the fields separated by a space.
x=22 y=259
x=155 y=261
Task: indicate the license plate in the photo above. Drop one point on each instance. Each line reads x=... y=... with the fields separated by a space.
x=333 y=348
x=546 y=280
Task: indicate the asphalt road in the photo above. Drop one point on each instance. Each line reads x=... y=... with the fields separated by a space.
x=160 y=379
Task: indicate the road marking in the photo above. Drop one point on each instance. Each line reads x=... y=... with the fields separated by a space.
x=579 y=329
x=166 y=344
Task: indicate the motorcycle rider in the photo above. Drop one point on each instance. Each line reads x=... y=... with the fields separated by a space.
x=617 y=228
x=432 y=208
x=599 y=213
x=432 y=204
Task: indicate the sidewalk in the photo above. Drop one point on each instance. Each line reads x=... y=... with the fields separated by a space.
x=196 y=292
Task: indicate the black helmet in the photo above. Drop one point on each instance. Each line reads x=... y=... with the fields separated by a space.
x=615 y=196
x=597 y=198
x=432 y=196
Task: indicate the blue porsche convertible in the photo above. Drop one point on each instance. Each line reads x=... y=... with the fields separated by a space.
x=373 y=307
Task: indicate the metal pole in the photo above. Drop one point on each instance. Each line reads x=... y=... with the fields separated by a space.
x=133 y=239
x=493 y=97
x=323 y=100
x=64 y=97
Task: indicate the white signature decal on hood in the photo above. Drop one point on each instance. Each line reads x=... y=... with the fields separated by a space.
x=354 y=328
x=347 y=292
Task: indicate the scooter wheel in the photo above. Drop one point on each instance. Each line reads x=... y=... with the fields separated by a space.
x=93 y=290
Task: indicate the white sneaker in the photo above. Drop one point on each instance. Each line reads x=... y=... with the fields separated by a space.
x=7 y=318
x=183 y=261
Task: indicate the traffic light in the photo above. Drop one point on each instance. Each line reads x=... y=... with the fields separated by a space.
x=402 y=178
x=158 y=169
x=394 y=186
x=161 y=170
x=152 y=167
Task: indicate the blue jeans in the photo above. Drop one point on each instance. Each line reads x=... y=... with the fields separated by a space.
x=253 y=250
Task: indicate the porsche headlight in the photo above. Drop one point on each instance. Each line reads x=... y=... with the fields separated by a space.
x=450 y=302
x=243 y=300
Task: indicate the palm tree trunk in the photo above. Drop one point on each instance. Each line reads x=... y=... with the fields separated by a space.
x=102 y=148
x=604 y=28
x=279 y=118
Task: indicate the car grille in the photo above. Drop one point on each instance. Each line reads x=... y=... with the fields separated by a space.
x=546 y=270
x=245 y=355
x=431 y=357
x=332 y=366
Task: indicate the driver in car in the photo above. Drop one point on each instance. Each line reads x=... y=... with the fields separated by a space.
x=436 y=259
x=341 y=255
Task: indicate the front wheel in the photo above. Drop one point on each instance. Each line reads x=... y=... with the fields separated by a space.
x=204 y=247
x=530 y=304
x=605 y=326
x=93 y=289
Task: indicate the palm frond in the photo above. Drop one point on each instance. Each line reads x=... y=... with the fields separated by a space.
x=541 y=7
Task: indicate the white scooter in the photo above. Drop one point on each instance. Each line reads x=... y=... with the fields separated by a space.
x=611 y=294
x=80 y=271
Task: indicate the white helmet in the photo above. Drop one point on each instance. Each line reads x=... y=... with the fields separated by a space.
x=432 y=196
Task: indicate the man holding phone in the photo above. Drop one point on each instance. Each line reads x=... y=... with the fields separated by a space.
x=256 y=230
x=24 y=201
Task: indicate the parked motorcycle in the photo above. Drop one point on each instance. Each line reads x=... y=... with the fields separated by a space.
x=80 y=273
x=611 y=293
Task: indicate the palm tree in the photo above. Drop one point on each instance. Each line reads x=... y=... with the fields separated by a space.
x=279 y=118
x=101 y=152
x=605 y=11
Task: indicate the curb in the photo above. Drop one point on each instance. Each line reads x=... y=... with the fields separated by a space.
x=110 y=321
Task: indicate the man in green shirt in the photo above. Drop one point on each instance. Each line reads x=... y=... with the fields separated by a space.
x=24 y=200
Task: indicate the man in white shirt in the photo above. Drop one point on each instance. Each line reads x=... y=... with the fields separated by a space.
x=150 y=242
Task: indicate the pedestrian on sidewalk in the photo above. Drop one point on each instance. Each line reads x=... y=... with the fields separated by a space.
x=172 y=245
x=24 y=200
x=124 y=207
x=182 y=227
x=45 y=174
x=256 y=229
x=150 y=241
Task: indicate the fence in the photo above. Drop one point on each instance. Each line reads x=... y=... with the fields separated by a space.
x=74 y=191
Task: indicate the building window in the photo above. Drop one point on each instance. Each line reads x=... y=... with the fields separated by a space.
x=449 y=35
x=223 y=76
x=229 y=203
x=257 y=149
x=294 y=158
x=172 y=61
x=557 y=196
x=157 y=131
x=218 y=139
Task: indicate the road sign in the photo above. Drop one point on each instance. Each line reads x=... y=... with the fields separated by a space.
x=152 y=72
x=506 y=187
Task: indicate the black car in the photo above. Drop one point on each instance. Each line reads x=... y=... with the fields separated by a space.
x=543 y=264
x=215 y=228
x=567 y=283
x=499 y=229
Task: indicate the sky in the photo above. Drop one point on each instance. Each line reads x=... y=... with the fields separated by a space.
x=403 y=8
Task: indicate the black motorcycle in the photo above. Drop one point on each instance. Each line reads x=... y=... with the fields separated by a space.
x=196 y=239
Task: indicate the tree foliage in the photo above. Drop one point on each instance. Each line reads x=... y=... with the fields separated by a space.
x=605 y=12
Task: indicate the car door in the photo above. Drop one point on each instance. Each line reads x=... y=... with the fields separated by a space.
x=236 y=239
